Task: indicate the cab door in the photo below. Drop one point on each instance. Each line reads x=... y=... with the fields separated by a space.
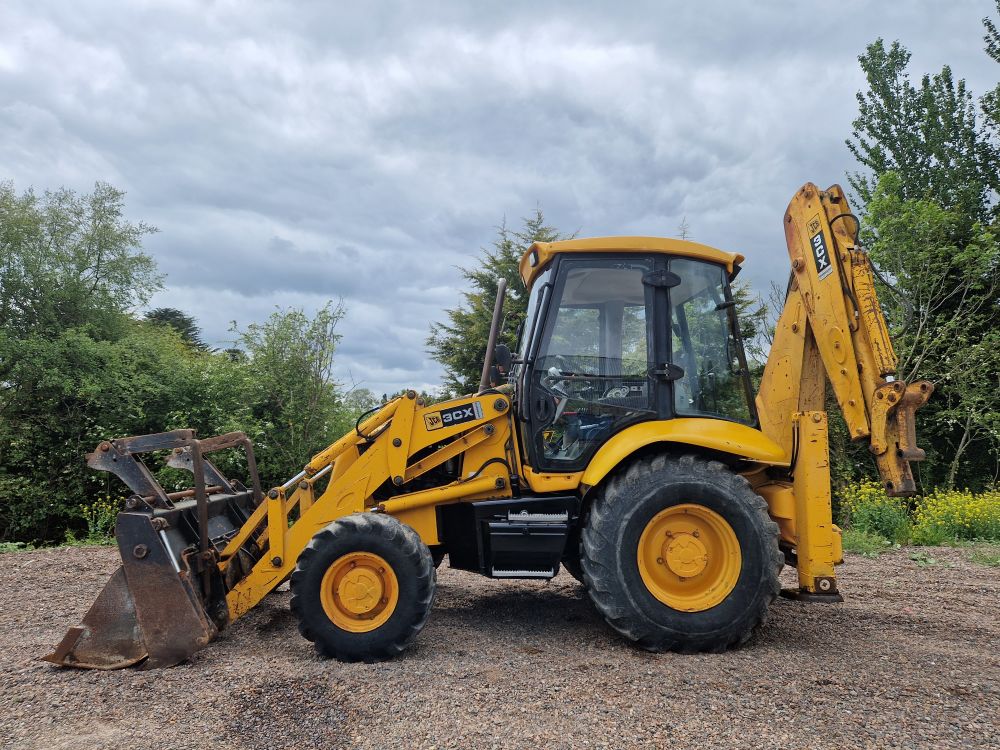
x=590 y=370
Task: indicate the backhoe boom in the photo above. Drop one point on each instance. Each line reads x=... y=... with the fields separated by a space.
x=832 y=329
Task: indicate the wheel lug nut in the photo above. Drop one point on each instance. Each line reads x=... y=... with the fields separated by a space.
x=659 y=561
x=695 y=534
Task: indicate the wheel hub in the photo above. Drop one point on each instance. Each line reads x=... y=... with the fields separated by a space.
x=359 y=592
x=685 y=555
x=689 y=557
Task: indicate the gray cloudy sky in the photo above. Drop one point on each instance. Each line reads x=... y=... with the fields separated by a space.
x=294 y=152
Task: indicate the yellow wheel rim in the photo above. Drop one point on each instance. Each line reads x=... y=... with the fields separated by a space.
x=359 y=592
x=689 y=557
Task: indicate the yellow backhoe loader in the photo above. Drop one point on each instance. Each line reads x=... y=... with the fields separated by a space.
x=622 y=441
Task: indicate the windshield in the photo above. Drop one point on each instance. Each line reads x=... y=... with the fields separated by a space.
x=705 y=344
x=590 y=377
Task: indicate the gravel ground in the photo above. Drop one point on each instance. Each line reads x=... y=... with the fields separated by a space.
x=910 y=660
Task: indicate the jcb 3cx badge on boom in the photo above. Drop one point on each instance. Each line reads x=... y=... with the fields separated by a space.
x=625 y=444
x=454 y=415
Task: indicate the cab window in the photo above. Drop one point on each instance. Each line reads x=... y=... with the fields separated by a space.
x=591 y=375
x=705 y=344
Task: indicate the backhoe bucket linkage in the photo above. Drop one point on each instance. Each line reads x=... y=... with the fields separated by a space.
x=167 y=600
x=894 y=438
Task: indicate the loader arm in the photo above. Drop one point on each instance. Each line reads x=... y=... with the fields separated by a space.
x=239 y=544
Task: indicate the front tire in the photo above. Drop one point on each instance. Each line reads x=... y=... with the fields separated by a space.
x=679 y=554
x=363 y=587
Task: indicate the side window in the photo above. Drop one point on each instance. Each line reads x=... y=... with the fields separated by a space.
x=591 y=375
x=705 y=345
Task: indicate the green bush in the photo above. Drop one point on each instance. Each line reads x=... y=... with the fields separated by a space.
x=78 y=367
x=866 y=507
x=940 y=517
x=955 y=515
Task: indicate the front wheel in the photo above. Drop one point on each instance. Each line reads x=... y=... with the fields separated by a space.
x=363 y=588
x=679 y=554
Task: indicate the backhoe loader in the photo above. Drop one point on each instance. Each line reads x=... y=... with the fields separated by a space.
x=622 y=441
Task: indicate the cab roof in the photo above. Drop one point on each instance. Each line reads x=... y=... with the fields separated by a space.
x=540 y=254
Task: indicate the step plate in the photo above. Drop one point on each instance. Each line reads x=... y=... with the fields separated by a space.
x=522 y=517
x=524 y=573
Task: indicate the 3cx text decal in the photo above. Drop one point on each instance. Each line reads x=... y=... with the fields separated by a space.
x=454 y=415
x=820 y=253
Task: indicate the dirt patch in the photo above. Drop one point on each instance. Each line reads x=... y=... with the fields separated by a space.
x=909 y=660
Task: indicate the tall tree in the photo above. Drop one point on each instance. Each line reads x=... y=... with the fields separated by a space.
x=927 y=134
x=185 y=325
x=929 y=202
x=991 y=101
x=71 y=271
x=460 y=343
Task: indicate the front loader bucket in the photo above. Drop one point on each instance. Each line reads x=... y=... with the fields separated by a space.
x=147 y=613
x=168 y=599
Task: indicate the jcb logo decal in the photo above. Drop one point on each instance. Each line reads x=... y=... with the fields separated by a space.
x=824 y=266
x=454 y=415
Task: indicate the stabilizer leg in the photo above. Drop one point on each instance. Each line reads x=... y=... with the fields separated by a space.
x=818 y=547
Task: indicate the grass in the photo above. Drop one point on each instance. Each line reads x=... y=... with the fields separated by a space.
x=71 y=541
x=922 y=558
x=91 y=540
x=15 y=547
x=988 y=555
x=865 y=543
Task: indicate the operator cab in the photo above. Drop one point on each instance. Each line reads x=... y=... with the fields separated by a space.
x=624 y=330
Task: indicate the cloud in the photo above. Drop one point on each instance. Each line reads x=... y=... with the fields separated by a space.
x=294 y=153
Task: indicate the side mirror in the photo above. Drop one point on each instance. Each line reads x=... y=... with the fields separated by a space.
x=503 y=358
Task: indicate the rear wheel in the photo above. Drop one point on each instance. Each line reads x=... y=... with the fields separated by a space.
x=679 y=554
x=363 y=588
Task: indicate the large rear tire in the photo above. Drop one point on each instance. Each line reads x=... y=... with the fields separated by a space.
x=363 y=588
x=679 y=554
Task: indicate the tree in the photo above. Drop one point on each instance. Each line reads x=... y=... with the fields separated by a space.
x=71 y=270
x=291 y=356
x=944 y=305
x=928 y=135
x=929 y=206
x=78 y=367
x=185 y=325
x=684 y=229
x=991 y=101
x=459 y=345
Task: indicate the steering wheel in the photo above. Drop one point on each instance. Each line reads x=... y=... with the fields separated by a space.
x=556 y=373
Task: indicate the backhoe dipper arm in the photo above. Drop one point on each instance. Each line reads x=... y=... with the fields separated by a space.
x=832 y=328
